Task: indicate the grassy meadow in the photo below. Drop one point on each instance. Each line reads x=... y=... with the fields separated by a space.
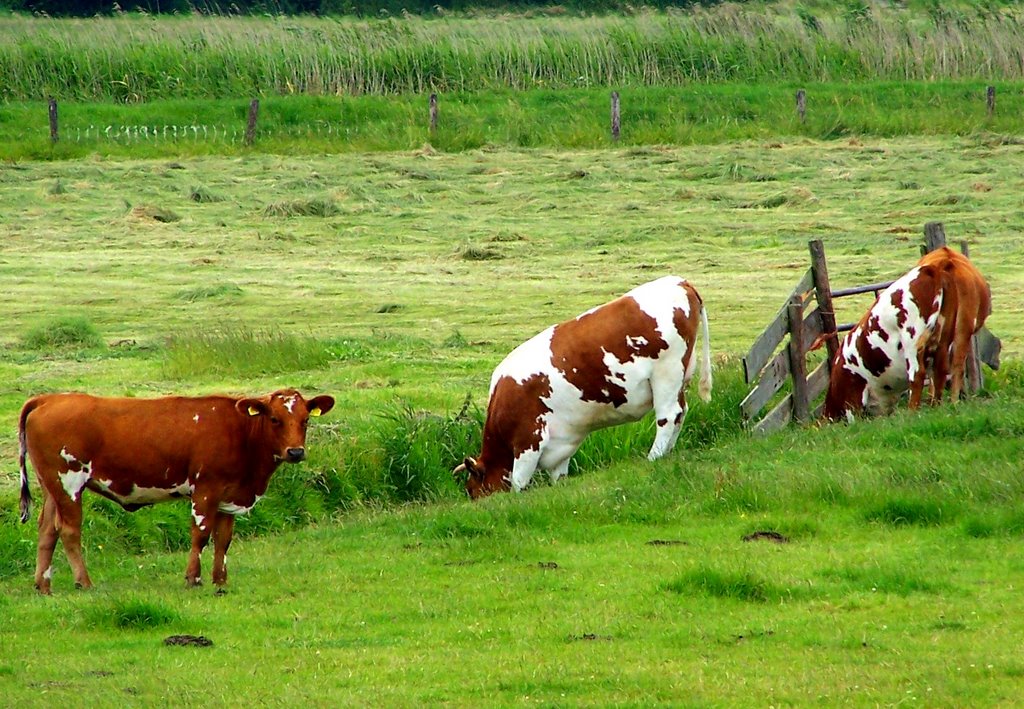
x=396 y=281
x=351 y=251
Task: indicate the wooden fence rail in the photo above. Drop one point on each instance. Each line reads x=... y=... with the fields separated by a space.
x=769 y=371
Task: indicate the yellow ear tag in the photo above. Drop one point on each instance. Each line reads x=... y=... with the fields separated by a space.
x=253 y=411
x=315 y=411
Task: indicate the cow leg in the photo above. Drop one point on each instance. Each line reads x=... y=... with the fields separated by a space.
x=669 y=393
x=203 y=514
x=560 y=471
x=940 y=372
x=69 y=524
x=48 y=536
x=523 y=468
x=961 y=351
x=221 y=541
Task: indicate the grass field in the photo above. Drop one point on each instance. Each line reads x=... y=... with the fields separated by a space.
x=396 y=281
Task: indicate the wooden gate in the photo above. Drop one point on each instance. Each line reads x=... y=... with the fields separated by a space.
x=809 y=324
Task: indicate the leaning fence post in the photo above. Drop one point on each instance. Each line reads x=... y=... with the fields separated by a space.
x=797 y=364
x=616 y=120
x=250 y=127
x=801 y=104
x=934 y=236
x=53 y=120
x=823 y=294
x=433 y=114
x=990 y=100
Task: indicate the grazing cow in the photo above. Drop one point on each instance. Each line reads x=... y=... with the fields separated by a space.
x=608 y=366
x=220 y=451
x=925 y=317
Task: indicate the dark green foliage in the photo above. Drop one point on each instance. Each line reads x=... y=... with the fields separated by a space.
x=901 y=509
x=72 y=332
x=133 y=613
x=420 y=450
x=739 y=586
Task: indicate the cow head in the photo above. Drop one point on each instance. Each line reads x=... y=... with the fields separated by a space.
x=481 y=482
x=282 y=418
x=845 y=392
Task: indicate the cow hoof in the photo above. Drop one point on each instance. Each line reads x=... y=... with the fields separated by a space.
x=192 y=583
x=83 y=585
x=43 y=590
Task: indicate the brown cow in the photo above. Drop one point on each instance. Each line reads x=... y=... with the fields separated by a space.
x=220 y=451
x=927 y=315
x=608 y=366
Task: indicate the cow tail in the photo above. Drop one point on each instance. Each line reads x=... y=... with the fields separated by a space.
x=704 y=387
x=26 y=495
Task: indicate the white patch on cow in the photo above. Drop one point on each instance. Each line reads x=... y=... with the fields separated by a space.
x=199 y=519
x=232 y=509
x=289 y=403
x=196 y=418
x=900 y=344
x=636 y=342
x=74 y=480
x=48 y=574
x=68 y=458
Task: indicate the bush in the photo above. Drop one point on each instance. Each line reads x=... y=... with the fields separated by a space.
x=64 y=333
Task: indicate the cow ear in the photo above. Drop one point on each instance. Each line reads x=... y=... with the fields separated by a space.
x=251 y=407
x=320 y=405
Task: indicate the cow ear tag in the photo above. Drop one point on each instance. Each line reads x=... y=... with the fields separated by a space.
x=253 y=411
x=315 y=411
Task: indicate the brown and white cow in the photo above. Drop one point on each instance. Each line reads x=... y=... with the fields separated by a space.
x=220 y=451
x=608 y=366
x=926 y=317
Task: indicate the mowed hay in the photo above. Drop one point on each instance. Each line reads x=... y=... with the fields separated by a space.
x=315 y=207
x=149 y=212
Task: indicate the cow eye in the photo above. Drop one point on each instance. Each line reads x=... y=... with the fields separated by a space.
x=275 y=420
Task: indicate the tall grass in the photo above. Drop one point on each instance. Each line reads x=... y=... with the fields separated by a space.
x=135 y=59
x=240 y=351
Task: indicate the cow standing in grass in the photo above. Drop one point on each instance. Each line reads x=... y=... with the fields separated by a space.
x=926 y=317
x=219 y=451
x=608 y=366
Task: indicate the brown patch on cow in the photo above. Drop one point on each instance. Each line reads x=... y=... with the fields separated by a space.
x=767 y=535
x=875 y=360
x=897 y=303
x=620 y=328
x=188 y=640
x=515 y=423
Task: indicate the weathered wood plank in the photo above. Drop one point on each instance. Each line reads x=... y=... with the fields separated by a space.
x=776 y=372
x=989 y=347
x=761 y=351
x=934 y=236
x=823 y=295
x=776 y=419
x=797 y=362
x=817 y=381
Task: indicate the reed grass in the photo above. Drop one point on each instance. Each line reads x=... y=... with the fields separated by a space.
x=134 y=59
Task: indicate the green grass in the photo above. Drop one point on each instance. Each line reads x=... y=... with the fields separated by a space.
x=566 y=118
x=365 y=577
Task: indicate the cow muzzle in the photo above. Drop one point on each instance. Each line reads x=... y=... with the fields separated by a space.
x=295 y=455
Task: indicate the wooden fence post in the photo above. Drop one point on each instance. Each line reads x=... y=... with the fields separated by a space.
x=990 y=100
x=797 y=363
x=823 y=294
x=433 y=114
x=801 y=104
x=934 y=236
x=54 y=135
x=250 y=127
x=616 y=120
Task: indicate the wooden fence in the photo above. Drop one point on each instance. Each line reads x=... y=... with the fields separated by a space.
x=145 y=131
x=768 y=371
